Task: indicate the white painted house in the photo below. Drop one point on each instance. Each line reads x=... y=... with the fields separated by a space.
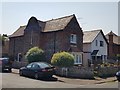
x=94 y=47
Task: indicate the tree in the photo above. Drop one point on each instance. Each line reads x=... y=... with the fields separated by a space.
x=62 y=59
x=35 y=54
x=3 y=38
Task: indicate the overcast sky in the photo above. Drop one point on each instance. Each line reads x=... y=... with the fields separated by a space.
x=90 y=15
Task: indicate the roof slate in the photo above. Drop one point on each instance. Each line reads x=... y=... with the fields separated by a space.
x=19 y=32
x=116 y=38
x=57 y=24
x=89 y=36
x=47 y=26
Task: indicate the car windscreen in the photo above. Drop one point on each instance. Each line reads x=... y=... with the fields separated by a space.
x=4 y=60
x=44 y=65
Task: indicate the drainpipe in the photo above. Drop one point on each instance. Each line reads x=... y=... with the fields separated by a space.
x=54 y=49
x=14 y=49
x=31 y=38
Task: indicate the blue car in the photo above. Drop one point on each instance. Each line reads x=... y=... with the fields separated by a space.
x=5 y=64
x=37 y=70
x=118 y=76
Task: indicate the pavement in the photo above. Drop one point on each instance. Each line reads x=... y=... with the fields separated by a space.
x=97 y=80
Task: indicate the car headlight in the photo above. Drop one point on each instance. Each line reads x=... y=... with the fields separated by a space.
x=117 y=73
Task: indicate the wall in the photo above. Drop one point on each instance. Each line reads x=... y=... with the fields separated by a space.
x=16 y=46
x=76 y=72
x=74 y=28
x=102 y=50
x=86 y=54
x=5 y=48
x=107 y=71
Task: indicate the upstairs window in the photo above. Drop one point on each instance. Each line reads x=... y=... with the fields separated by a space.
x=96 y=42
x=73 y=38
x=101 y=43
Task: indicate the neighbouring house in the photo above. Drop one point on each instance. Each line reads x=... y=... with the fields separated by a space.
x=61 y=34
x=114 y=45
x=94 y=47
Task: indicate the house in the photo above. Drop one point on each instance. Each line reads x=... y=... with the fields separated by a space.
x=61 y=34
x=114 y=45
x=94 y=47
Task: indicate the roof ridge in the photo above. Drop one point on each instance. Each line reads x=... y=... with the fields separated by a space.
x=111 y=32
x=23 y=26
x=60 y=18
x=93 y=30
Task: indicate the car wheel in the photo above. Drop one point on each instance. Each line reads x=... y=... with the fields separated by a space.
x=9 y=70
x=2 y=70
x=119 y=80
x=21 y=73
x=36 y=76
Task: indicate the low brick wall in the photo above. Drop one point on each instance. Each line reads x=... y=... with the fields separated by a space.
x=76 y=72
x=107 y=71
x=18 y=65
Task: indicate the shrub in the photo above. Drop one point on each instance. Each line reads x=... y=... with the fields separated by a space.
x=62 y=59
x=35 y=54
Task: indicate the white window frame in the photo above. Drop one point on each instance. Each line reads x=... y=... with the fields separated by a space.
x=77 y=58
x=73 y=38
x=18 y=57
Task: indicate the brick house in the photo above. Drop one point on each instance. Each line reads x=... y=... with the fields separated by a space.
x=114 y=45
x=61 y=34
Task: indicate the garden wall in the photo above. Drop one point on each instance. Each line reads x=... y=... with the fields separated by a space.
x=107 y=71
x=76 y=72
x=18 y=65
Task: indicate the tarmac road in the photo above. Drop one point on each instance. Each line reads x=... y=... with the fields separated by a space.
x=13 y=80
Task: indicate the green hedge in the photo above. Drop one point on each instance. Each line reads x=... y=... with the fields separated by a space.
x=62 y=59
x=35 y=54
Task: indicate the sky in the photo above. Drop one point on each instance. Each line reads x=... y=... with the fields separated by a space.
x=90 y=15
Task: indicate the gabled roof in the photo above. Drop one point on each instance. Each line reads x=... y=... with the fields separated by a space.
x=89 y=36
x=19 y=32
x=57 y=24
x=47 y=26
x=116 y=38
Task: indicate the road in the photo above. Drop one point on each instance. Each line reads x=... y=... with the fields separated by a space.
x=11 y=80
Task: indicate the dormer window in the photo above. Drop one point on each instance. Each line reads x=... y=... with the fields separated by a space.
x=73 y=38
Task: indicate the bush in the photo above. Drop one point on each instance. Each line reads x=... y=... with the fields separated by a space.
x=62 y=59
x=35 y=54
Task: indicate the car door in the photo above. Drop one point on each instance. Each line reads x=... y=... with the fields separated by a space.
x=27 y=71
x=35 y=68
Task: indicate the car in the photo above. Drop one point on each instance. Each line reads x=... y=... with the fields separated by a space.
x=118 y=76
x=37 y=70
x=5 y=64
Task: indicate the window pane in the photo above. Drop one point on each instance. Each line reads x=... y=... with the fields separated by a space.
x=101 y=43
x=44 y=65
x=73 y=38
x=29 y=66
x=35 y=66
x=96 y=42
